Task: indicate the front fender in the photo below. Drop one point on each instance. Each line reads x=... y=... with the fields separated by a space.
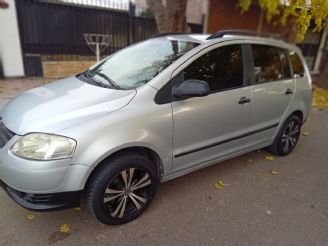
x=151 y=127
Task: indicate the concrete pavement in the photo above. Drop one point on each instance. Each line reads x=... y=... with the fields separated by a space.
x=256 y=207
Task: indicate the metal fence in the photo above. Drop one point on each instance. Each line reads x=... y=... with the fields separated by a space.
x=57 y=26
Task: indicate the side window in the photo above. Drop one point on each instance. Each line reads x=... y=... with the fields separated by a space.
x=297 y=65
x=270 y=63
x=221 y=68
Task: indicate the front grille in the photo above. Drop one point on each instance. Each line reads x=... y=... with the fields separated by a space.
x=33 y=198
x=5 y=135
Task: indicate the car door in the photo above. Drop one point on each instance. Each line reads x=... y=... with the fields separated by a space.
x=272 y=90
x=206 y=128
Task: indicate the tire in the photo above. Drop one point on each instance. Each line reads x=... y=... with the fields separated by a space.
x=113 y=196
x=287 y=137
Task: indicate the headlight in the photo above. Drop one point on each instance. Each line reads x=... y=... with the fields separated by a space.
x=41 y=146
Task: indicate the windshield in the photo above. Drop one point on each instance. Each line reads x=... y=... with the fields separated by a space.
x=138 y=64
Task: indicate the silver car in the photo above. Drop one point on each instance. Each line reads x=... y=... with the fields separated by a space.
x=151 y=112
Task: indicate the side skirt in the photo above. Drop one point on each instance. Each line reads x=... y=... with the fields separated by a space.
x=215 y=161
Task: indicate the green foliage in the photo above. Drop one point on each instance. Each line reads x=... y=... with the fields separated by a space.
x=147 y=14
x=300 y=11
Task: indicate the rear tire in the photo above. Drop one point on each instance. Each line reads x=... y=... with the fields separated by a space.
x=287 y=137
x=122 y=189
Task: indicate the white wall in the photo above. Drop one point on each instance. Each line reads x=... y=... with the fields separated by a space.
x=10 y=49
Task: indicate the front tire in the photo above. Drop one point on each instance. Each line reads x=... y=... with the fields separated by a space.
x=121 y=189
x=287 y=137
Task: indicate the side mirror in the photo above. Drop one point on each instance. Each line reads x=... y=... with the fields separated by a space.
x=191 y=88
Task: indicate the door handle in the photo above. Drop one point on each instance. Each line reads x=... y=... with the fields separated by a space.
x=288 y=91
x=244 y=100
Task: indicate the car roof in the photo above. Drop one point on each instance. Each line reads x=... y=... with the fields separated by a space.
x=206 y=39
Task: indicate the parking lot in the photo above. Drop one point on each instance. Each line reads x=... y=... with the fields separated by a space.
x=256 y=201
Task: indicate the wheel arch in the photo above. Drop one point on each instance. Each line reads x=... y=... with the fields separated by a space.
x=299 y=114
x=141 y=150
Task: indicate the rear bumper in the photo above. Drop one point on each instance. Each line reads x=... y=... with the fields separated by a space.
x=43 y=202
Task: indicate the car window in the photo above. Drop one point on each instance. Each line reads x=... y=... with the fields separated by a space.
x=297 y=64
x=270 y=64
x=221 y=68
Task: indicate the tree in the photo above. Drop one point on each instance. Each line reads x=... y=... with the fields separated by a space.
x=3 y=4
x=169 y=16
x=298 y=12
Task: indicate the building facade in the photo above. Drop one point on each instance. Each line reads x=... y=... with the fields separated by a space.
x=225 y=14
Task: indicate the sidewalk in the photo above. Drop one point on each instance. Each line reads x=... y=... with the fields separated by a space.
x=10 y=88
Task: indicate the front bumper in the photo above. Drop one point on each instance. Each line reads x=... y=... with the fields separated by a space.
x=41 y=177
x=43 y=202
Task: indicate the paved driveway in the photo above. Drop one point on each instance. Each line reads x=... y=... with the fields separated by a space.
x=278 y=202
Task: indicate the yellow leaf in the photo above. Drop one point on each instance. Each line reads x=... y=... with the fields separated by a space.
x=77 y=209
x=31 y=217
x=305 y=134
x=219 y=184
x=250 y=161
x=223 y=184
x=269 y=157
x=273 y=172
x=65 y=228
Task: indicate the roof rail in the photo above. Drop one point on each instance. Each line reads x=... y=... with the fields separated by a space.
x=242 y=32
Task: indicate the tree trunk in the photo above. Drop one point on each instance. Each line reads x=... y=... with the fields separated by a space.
x=260 y=22
x=170 y=17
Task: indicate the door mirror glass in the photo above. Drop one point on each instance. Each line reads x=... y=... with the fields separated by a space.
x=191 y=88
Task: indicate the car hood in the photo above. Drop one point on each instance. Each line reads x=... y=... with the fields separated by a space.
x=61 y=104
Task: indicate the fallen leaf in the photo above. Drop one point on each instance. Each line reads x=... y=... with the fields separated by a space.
x=258 y=151
x=101 y=237
x=219 y=184
x=56 y=236
x=249 y=162
x=305 y=134
x=65 y=228
x=269 y=157
x=77 y=209
x=273 y=172
x=31 y=217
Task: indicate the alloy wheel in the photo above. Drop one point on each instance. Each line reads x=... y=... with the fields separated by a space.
x=290 y=136
x=127 y=193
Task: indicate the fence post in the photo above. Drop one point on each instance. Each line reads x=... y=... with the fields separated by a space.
x=130 y=22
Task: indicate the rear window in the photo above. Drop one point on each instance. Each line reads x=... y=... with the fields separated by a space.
x=298 y=68
x=270 y=63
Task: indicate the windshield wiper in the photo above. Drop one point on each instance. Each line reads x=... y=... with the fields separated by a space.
x=110 y=81
x=98 y=82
